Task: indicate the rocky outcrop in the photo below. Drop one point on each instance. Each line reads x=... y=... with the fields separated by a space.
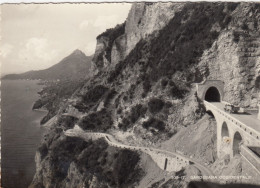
x=99 y=58
x=235 y=56
x=118 y=52
x=107 y=43
x=143 y=20
x=146 y=18
x=71 y=161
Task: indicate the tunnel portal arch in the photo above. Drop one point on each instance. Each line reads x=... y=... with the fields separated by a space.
x=212 y=95
x=237 y=140
x=210 y=90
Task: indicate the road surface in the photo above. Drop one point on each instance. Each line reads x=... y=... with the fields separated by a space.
x=249 y=118
x=78 y=132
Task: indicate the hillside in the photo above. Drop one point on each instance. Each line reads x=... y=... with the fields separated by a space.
x=73 y=67
x=143 y=92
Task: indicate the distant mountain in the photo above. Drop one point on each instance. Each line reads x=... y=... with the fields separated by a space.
x=73 y=67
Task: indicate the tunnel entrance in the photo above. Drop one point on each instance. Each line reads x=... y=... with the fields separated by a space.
x=236 y=143
x=212 y=95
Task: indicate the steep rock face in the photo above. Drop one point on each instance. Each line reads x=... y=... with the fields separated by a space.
x=118 y=52
x=107 y=42
x=235 y=56
x=73 y=162
x=99 y=57
x=145 y=18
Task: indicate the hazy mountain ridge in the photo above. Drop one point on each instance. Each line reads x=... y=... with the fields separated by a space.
x=73 y=67
x=145 y=94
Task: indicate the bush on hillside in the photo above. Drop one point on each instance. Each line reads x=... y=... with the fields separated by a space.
x=67 y=122
x=111 y=94
x=66 y=151
x=155 y=105
x=117 y=168
x=97 y=121
x=257 y=83
x=129 y=121
x=155 y=123
x=93 y=95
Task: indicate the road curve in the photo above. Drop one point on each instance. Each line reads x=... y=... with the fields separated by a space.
x=78 y=132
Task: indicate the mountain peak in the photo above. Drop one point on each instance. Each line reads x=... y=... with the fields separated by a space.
x=77 y=52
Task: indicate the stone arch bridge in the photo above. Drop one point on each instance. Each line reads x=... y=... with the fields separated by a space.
x=235 y=131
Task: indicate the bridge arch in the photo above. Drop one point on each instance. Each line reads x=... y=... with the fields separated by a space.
x=224 y=130
x=237 y=140
x=212 y=94
x=210 y=113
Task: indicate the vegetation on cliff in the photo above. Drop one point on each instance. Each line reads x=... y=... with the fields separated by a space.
x=150 y=95
x=70 y=158
x=54 y=94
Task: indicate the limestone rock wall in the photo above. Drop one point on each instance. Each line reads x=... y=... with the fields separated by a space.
x=99 y=59
x=145 y=18
x=235 y=57
x=118 y=50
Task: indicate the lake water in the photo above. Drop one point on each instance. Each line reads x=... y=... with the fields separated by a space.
x=21 y=132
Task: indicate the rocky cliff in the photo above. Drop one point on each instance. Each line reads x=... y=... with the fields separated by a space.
x=143 y=90
x=143 y=20
x=235 y=56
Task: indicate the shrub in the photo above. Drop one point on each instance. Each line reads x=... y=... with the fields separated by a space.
x=109 y=97
x=155 y=105
x=66 y=151
x=146 y=86
x=97 y=121
x=67 y=122
x=155 y=123
x=93 y=95
x=244 y=26
x=124 y=168
x=164 y=82
x=257 y=83
x=136 y=112
x=232 y=6
x=236 y=37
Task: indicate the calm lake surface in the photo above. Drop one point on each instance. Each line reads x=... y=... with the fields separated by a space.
x=21 y=132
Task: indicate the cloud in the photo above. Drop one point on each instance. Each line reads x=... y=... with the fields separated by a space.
x=84 y=25
x=106 y=22
x=37 y=50
x=5 y=50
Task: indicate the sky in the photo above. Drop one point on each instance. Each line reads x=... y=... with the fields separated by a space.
x=37 y=36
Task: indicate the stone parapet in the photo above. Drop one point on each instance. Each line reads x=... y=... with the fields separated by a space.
x=251 y=158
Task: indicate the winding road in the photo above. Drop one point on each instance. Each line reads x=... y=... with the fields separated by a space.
x=78 y=132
